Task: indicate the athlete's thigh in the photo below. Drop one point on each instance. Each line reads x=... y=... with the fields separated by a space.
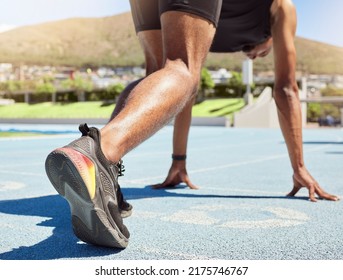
x=146 y=18
x=207 y=9
x=151 y=42
x=188 y=27
x=145 y=15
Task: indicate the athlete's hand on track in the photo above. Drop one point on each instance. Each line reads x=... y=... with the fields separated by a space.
x=303 y=179
x=177 y=175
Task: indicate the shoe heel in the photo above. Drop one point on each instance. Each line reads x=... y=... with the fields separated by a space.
x=67 y=169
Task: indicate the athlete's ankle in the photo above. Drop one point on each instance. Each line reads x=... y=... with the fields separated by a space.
x=108 y=149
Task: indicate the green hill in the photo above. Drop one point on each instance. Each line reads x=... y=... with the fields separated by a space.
x=78 y=41
x=112 y=41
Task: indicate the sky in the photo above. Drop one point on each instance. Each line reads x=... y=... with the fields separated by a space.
x=320 y=20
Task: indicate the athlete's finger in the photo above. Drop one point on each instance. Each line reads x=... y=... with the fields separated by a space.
x=324 y=195
x=294 y=191
x=190 y=184
x=311 y=191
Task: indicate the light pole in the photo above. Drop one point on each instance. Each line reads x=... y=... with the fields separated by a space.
x=248 y=80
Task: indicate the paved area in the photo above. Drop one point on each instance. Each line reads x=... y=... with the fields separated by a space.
x=240 y=212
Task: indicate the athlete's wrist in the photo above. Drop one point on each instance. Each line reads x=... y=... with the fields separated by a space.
x=179 y=157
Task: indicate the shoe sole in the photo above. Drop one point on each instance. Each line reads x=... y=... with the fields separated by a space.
x=67 y=170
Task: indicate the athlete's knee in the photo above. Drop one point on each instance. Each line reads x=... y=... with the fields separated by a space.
x=153 y=64
x=189 y=77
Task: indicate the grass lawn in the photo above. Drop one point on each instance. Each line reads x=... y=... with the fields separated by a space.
x=208 y=108
x=58 y=110
x=218 y=107
x=17 y=134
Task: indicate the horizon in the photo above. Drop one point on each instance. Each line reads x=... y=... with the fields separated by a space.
x=309 y=12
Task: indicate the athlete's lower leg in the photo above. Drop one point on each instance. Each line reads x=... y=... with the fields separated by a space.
x=161 y=95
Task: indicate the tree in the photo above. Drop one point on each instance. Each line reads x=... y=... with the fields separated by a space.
x=114 y=90
x=79 y=85
x=235 y=84
x=11 y=87
x=314 y=111
x=46 y=87
x=318 y=111
x=206 y=83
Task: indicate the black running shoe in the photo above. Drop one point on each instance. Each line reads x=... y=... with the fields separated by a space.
x=88 y=181
x=124 y=207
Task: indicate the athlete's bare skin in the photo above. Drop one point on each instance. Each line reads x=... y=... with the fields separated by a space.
x=283 y=25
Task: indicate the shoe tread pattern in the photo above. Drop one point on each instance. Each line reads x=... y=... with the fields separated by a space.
x=90 y=224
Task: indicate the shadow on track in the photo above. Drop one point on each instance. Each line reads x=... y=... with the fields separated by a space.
x=63 y=243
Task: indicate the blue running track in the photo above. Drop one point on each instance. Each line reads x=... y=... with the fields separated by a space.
x=240 y=212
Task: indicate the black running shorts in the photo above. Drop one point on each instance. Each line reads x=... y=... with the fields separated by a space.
x=146 y=13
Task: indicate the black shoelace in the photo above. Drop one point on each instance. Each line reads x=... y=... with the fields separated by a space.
x=121 y=201
x=121 y=168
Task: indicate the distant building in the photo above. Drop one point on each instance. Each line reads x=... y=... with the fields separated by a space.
x=6 y=71
x=220 y=76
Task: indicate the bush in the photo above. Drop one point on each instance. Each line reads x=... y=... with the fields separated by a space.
x=316 y=111
x=313 y=111
x=332 y=91
x=113 y=91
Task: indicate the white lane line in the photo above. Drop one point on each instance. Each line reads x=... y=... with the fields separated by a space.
x=201 y=170
x=225 y=166
x=22 y=165
x=150 y=154
x=18 y=173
